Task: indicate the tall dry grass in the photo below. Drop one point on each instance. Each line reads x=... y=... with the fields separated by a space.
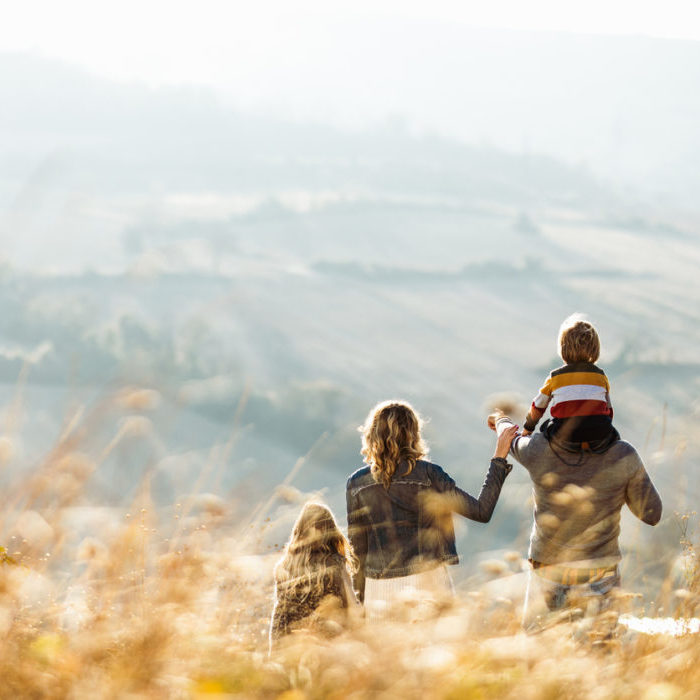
x=175 y=603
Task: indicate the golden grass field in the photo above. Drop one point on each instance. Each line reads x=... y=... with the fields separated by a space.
x=175 y=603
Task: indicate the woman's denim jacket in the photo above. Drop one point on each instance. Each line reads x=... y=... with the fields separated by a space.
x=408 y=527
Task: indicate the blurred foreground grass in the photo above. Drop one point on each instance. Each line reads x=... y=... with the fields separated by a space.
x=175 y=603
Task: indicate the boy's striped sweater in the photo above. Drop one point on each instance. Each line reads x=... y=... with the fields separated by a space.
x=574 y=390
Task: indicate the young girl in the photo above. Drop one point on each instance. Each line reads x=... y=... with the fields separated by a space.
x=312 y=580
x=578 y=393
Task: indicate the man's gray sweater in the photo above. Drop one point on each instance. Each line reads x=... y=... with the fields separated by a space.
x=579 y=496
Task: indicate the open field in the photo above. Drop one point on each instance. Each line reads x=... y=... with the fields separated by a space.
x=174 y=602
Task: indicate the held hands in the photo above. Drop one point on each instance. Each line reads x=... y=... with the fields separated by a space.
x=504 y=440
x=506 y=437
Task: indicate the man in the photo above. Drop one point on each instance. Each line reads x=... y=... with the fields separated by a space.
x=574 y=549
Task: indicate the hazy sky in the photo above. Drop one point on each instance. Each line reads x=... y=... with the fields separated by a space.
x=432 y=65
x=217 y=42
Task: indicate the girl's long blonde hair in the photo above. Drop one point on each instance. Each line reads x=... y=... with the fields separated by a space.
x=315 y=546
x=390 y=436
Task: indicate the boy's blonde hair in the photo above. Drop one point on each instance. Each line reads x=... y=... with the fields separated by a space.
x=578 y=340
x=391 y=435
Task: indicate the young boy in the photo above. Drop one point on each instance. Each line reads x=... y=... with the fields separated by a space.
x=578 y=394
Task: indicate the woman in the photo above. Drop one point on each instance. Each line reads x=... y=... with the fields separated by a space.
x=312 y=580
x=400 y=508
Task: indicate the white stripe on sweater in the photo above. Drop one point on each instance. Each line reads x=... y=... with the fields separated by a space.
x=578 y=392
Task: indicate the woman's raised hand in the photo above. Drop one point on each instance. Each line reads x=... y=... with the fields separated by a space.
x=504 y=440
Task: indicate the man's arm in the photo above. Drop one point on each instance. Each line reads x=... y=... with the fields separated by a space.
x=520 y=445
x=357 y=534
x=641 y=496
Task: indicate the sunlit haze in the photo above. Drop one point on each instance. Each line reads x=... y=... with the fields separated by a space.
x=229 y=228
x=227 y=44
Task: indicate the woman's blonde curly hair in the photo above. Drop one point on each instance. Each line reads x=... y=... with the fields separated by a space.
x=391 y=436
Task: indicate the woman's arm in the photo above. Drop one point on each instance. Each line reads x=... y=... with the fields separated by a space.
x=357 y=534
x=453 y=499
x=351 y=605
x=276 y=626
x=347 y=593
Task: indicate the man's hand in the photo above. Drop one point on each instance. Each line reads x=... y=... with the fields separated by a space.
x=504 y=440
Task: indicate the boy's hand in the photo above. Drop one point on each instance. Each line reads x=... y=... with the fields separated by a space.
x=504 y=440
x=526 y=432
